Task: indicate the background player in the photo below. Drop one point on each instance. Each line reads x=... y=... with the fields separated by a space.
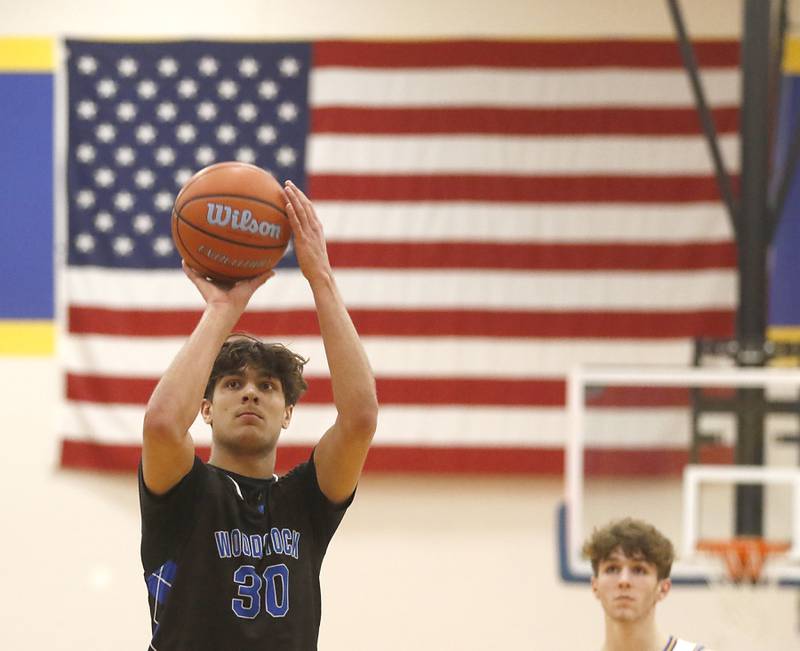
x=231 y=553
x=631 y=562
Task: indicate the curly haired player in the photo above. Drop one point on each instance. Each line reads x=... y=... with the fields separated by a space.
x=631 y=562
x=231 y=552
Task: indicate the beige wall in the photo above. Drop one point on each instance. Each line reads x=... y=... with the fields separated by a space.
x=420 y=562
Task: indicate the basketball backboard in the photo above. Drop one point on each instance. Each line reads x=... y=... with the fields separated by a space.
x=627 y=454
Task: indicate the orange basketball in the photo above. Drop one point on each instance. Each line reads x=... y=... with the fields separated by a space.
x=229 y=222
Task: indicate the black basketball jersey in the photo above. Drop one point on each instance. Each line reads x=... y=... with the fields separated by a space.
x=232 y=563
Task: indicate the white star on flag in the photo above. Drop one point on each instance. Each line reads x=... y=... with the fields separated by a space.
x=85 y=153
x=106 y=88
x=165 y=156
x=247 y=112
x=162 y=245
x=126 y=111
x=146 y=134
x=206 y=111
x=144 y=178
x=127 y=67
x=187 y=88
x=123 y=245
x=266 y=134
x=226 y=133
x=163 y=200
x=204 y=155
x=86 y=109
x=143 y=223
x=167 y=67
x=208 y=66
x=104 y=221
x=84 y=242
x=227 y=89
x=124 y=156
x=289 y=67
x=85 y=199
x=147 y=89
x=106 y=132
x=185 y=132
x=104 y=177
x=288 y=112
x=248 y=67
x=87 y=65
x=167 y=111
x=123 y=201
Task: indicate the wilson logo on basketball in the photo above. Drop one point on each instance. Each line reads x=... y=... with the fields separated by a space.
x=221 y=215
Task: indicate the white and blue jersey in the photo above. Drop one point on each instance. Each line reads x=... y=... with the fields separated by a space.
x=233 y=562
x=676 y=644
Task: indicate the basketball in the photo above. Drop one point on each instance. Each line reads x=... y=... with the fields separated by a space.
x=229 y=222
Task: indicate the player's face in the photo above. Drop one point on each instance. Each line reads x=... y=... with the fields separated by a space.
x=247 y=411
x=628 y=588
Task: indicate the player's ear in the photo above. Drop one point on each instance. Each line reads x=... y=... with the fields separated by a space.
x=594 y=585
x=664 y=587
x=287 y=416
x=205 y=411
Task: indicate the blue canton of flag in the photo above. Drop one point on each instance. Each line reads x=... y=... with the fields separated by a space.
x=144 y=117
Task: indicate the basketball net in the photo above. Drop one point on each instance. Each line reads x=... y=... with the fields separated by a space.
x=744 y=556
x=742 y=588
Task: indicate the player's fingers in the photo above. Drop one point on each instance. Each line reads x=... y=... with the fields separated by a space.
x=309 y=213
x=304 y=204
x=294 y=220
x=256 y=282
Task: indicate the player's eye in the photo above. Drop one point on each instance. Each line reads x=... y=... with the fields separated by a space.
x=233 y=383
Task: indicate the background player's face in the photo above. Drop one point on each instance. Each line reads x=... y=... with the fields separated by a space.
x=247 y=411
x=628 y=588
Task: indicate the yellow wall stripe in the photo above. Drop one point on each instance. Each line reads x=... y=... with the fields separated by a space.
x=789 y=334
x=27 y=54
x=791 y=55
x=27 y=338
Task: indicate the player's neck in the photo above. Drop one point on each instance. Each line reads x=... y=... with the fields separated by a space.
x=634 y=636
x=257 y=466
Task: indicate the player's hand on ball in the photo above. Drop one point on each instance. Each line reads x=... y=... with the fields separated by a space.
x=236 y=294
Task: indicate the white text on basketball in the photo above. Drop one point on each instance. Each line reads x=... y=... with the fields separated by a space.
x=222 y=215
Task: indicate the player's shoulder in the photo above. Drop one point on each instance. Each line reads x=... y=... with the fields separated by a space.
x=298 y=473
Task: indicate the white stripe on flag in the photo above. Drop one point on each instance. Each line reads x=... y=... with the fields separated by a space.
x=412 y=221
x=407 y=357
x=517 y=155
x=497 y=87
x=377 y=288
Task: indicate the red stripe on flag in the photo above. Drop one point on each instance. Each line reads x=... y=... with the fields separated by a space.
x=391 y=459
x=547 y=122
x=560 y=54
x=533 y=257
x=471 y=392
x=421 y=323
x=392 y=391
x=547 y=189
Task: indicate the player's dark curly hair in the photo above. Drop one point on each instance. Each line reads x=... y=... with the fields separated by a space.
x=635 y=538
x=275 y=360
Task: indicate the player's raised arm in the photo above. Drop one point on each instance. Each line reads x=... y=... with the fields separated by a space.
x=339 y=457
x=167 y=449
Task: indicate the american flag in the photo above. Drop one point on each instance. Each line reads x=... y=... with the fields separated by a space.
x=496 y=212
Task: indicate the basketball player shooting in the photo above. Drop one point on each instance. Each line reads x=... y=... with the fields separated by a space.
x=231 y=552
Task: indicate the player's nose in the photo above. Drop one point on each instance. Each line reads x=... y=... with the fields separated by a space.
x=250 y=392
